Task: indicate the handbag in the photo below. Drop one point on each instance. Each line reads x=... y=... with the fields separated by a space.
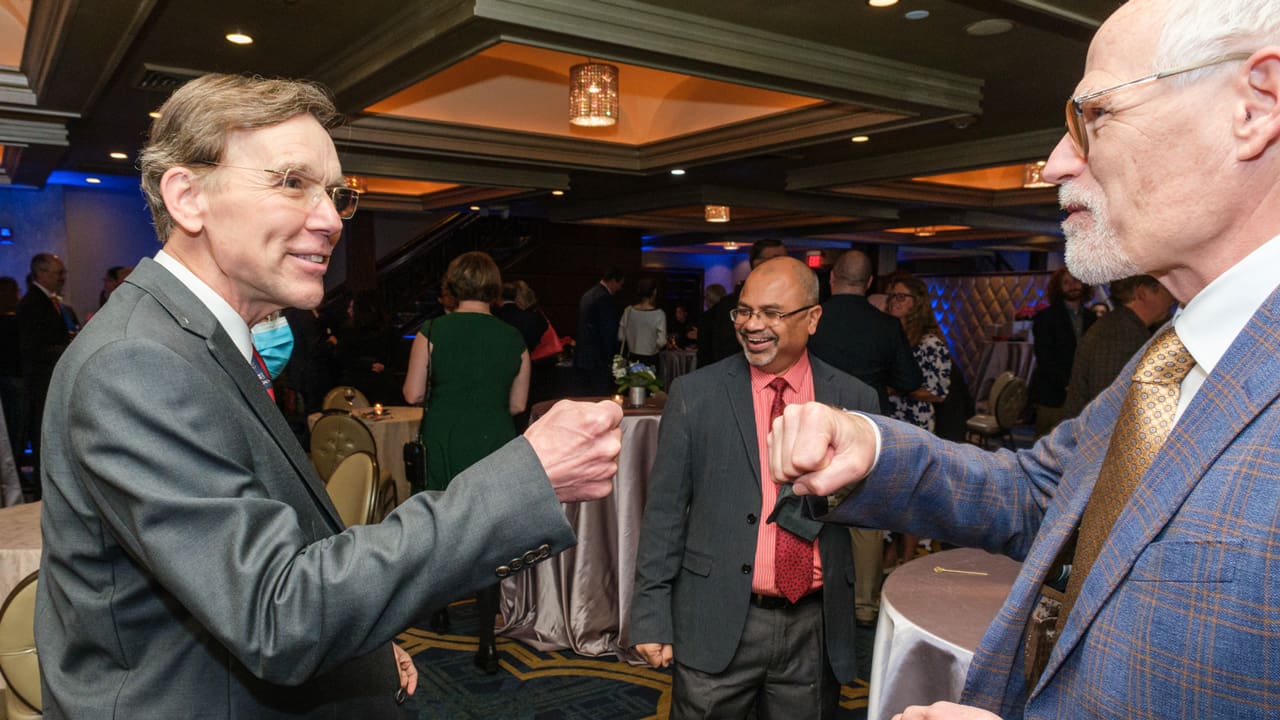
x=548 y=345
x=415 y=453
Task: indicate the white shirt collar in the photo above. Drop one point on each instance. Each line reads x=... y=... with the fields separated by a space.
x=228 y=318
x=47 y=291
x=1216 y=315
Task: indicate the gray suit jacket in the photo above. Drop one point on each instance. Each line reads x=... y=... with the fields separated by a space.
x=193 y=564
x=698 y=539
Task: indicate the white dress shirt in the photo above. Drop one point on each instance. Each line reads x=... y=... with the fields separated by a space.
x=228 y=318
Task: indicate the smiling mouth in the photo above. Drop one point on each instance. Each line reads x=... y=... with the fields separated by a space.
x=757 y=342
x=318 y=259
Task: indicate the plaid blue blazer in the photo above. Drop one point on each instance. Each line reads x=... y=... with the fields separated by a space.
x=1180 y=617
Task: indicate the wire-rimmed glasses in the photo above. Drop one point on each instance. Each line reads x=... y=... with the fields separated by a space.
x=1078 y=127
x=741 y=315
x=304 y=188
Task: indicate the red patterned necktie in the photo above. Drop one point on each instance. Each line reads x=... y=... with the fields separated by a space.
x=792 y=554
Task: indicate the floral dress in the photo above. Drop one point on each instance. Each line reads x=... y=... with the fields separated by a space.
x=934 y=359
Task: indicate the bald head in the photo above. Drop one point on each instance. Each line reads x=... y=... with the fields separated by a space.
x=790 y=272
x=851 y=274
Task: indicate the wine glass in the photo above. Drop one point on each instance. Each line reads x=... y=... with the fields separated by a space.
x=350 y=394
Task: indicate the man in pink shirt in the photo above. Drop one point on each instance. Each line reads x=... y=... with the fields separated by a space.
x=736 y=593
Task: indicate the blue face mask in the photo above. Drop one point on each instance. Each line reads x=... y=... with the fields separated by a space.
x=274 y=341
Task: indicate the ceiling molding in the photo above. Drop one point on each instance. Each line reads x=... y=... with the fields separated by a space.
x=939 y=194
x=14 y=89
x=682 y=196
x=773 y=133
x=14 y=131
x=355 y=162
x=989 y=152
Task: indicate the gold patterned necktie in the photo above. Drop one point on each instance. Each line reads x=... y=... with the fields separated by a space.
x=1146 y=417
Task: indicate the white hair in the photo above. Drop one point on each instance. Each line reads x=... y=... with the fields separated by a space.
x=1200 y=30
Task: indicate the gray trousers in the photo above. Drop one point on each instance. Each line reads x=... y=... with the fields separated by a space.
x=780 y=669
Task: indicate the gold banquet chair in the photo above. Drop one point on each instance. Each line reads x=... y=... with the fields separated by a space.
x=1005 y=404
x=335 y=436
x=353 y=487
x=19 y=663
x=336 y=399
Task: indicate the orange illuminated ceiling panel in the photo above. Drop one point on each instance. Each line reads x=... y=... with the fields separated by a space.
x=519 y=88
x=1007 y=177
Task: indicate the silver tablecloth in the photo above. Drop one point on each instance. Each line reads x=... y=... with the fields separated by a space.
x=998 y=356
x=930 y=624
x=390 y=433
x=581 y=599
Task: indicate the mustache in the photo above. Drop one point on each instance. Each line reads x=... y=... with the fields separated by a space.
x=761 y=334
x=1073 y=195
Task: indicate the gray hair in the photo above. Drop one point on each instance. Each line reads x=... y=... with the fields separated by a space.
x=1201 y=30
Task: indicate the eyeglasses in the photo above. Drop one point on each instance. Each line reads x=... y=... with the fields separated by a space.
x=741 y=316
x=304 y=188
x=1077 y=126
x=900 y=296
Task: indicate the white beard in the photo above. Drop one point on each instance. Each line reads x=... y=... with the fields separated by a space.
x=1094 y=255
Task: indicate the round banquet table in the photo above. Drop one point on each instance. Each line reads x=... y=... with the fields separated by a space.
x=581 y=599
x=19 y=549
x=933 y=612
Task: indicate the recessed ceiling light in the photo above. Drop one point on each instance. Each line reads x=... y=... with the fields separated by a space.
x=475 y=208
x=153 y=114
x=93 y=180
x=677 y=171
x=239 y=38
x=994 y=26
x=916 y=14
x=882 y=3
x=859 y=138
x=119 y=156
x=557 y=193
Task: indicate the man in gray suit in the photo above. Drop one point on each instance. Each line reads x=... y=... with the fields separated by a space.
x=721 y=588
x=193 y=564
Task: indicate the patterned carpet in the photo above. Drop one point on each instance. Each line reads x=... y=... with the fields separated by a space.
x=532 y=685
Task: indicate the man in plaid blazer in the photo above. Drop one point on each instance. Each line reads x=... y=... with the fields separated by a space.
x=1171 y=166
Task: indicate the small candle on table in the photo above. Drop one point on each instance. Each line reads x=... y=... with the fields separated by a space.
x=617 y=399
x=377 y=408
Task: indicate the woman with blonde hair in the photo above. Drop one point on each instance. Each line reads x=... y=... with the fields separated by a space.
x=474 y=371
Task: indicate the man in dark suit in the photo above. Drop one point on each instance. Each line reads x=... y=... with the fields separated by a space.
x=529 y=323
x=717 y=338
x=1169 y=474
x=44 y=331
x=870 y=345
x=193 y=564
x=597 y=340
x=1057 y=330
x=719 y=583
x=1140 y=303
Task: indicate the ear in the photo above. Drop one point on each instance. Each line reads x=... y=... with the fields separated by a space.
x=814 y=317
x=1256 y=123
x=183 y=198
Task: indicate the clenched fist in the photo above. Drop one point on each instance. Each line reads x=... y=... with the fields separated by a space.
x=578 y=445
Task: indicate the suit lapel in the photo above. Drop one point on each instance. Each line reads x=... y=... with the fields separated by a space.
x=737 y=389
x=193 y=316
x=1245 y=381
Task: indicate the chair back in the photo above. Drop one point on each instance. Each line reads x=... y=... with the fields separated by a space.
x=19 y=663
x=353 y=487
x=335 y=436
x=387 y=497
x=336 y=399
x=997 y=386
x=1008 y=404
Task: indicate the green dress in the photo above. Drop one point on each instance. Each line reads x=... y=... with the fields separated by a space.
x=474 y=360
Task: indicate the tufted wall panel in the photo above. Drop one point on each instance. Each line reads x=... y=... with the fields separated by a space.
x=968 y=308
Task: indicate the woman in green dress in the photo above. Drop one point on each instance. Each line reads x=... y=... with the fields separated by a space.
x=478 y=368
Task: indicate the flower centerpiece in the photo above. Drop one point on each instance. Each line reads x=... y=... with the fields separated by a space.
x=634 y=380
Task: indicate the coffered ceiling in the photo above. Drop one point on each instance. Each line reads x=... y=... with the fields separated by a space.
x=462 y=103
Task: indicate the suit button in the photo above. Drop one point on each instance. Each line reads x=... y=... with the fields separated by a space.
x=516 y=564
x=751 y=518
x=746 y=569
x=502 y=571
x=532 y=557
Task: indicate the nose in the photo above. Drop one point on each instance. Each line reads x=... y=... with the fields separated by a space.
x=1065 y=162
x=324 y=216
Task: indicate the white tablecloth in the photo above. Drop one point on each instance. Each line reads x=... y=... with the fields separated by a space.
x=930 y=623
x=19 y=549
x=998 y=356
x=581 y=599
